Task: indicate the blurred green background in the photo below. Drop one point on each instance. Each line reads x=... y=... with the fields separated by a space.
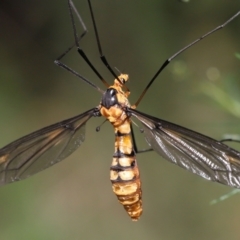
x=73 y=199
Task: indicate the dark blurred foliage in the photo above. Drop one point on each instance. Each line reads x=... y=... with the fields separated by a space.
x=73 y=200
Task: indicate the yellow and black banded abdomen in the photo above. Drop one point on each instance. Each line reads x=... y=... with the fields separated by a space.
x=124 y=175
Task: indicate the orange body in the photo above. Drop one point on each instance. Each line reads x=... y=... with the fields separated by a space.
x=124 y=173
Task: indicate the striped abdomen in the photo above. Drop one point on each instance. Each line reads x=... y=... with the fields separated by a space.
x=124 y=175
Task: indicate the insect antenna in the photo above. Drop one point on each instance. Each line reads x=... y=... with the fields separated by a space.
x=179 y=52
x=119 y=72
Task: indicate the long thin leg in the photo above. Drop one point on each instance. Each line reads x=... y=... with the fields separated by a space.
x=230 y=140
x=103 y=58
x=80 y=51
x=62 y=65
x=177 y=53
x=135 y=143
x=77 y=39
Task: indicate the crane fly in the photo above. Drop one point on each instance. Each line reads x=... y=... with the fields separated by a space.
x=199 y=154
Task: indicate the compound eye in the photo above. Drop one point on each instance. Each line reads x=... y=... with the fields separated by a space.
x=112 y=92
x=109 y=98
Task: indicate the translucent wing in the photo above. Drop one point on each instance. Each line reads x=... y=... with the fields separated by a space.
x=42 y=149
x=193 y=151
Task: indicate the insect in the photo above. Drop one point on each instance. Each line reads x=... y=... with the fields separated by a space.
x=193 y=151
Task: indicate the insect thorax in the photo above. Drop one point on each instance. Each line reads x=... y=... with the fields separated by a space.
x=112 y=105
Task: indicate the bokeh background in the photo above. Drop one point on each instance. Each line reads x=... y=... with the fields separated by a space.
x=199 y=90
